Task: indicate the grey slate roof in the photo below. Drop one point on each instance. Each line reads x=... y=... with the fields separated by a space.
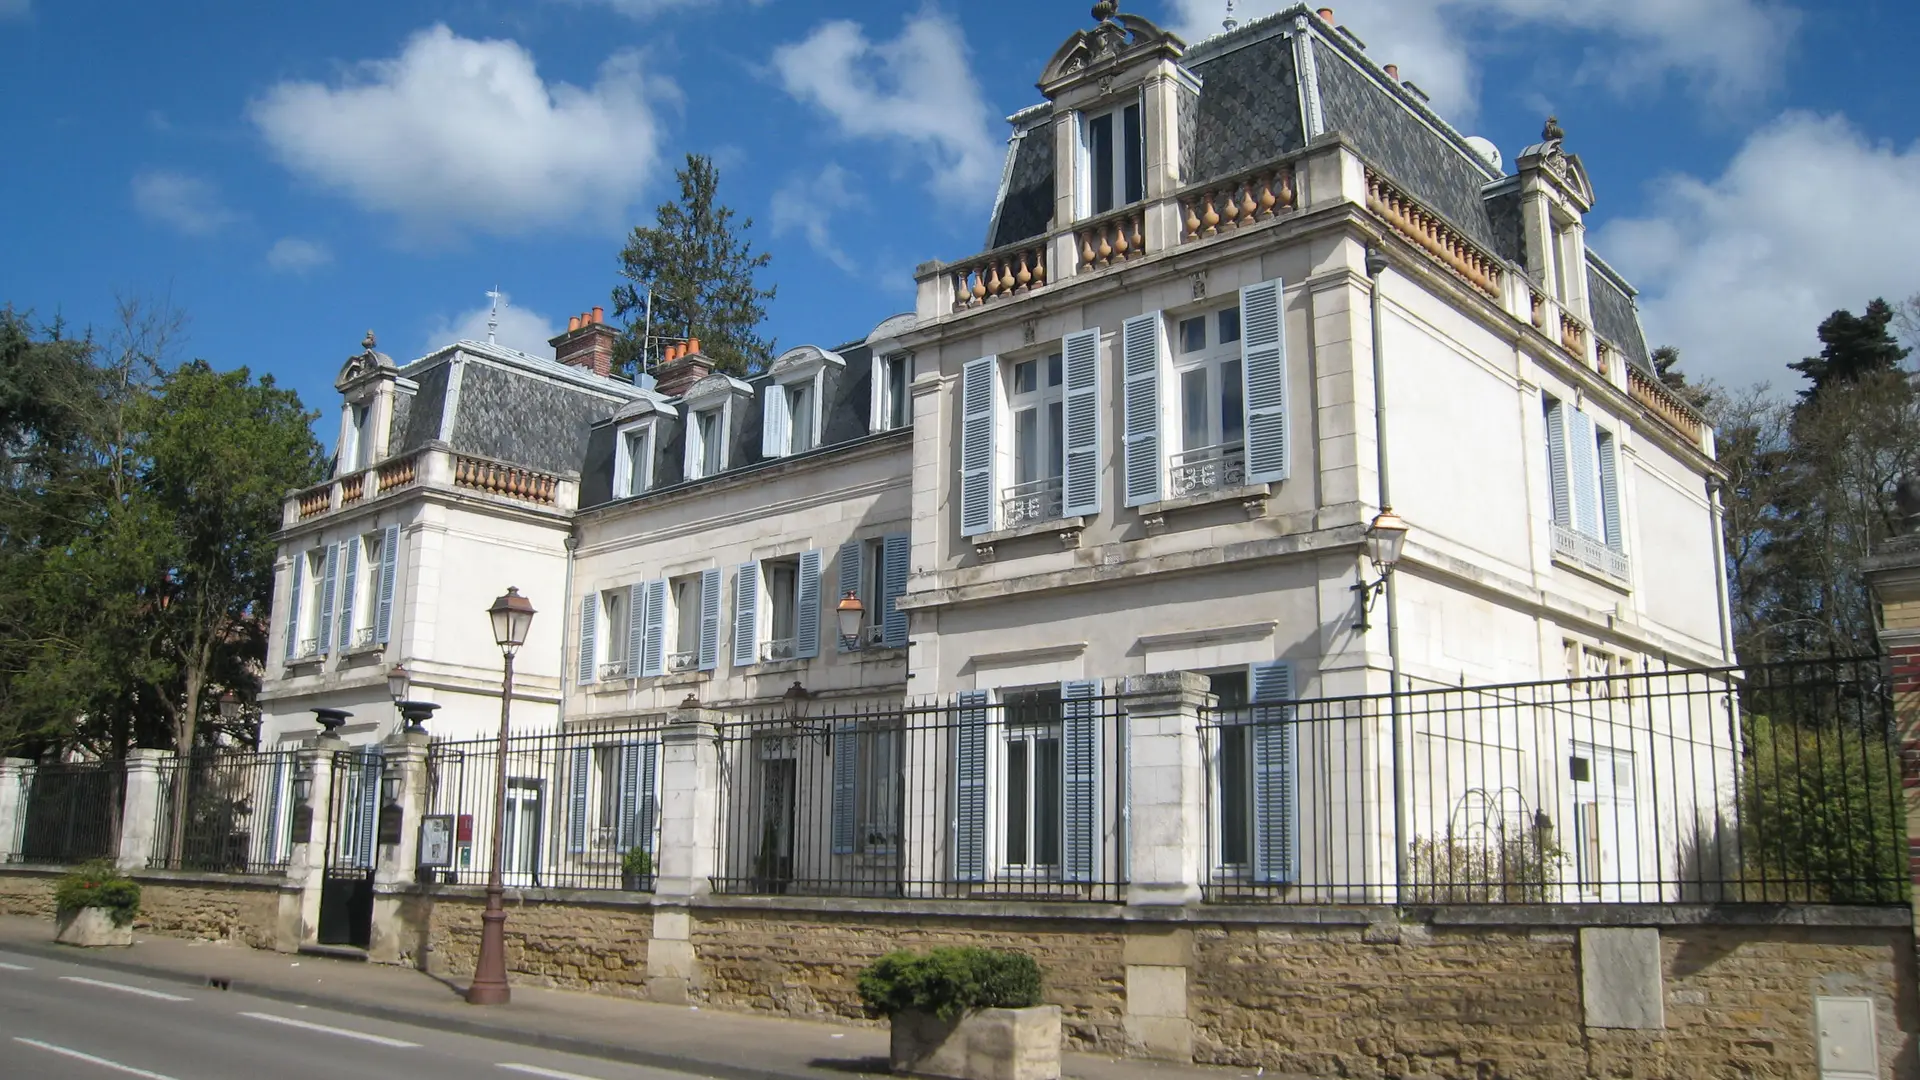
x=1027 y=207
x=1249 y=109
x=1616 y=318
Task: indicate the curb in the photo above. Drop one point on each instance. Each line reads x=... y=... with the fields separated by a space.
x=438 y=1021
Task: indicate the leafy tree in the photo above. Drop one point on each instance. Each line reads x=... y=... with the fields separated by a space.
x=701 y=269
x=1823 y=820
x=1855 y=346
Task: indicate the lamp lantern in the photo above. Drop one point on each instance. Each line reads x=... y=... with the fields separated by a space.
x=512 y=614
x=851 y=613
x=1386 y=539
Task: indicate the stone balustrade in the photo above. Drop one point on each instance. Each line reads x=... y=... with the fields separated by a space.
x=1425 y=229
x=353 y=489
x=1665 y=404
x=1233 y=204
x=1013 y=271
x=315 y=501
x=1573 y=334
x=397 y=474
x=1116 y=238
x=509 y=481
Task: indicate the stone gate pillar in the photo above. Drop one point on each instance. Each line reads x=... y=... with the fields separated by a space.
x=141 y=837
x=1894 y=575
x=689 y=849
x=307 y=857
x=399 y=918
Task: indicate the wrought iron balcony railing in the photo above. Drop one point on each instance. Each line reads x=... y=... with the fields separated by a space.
x=1209 y=468
x=1024 y=504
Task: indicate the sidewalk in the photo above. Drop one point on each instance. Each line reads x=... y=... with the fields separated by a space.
x=729 y=1046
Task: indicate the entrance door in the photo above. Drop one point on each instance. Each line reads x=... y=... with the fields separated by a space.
x=1606 y=824
x=520 y=862
x=346 y=887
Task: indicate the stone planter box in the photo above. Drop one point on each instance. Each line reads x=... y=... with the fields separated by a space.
x=988 y=1044
x=92 y=927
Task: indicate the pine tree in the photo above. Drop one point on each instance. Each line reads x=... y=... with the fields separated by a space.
x=701 y=269
x=1855 y=346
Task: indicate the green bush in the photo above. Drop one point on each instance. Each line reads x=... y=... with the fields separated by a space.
x=1823 y=817
x=637 y=863
x=99 y=885
x=950 y=982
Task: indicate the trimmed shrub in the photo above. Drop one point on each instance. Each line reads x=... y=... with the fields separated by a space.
x=637 y=862
x=950 y=982
x=99 y=885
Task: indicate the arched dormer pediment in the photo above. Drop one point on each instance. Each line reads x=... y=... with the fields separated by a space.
x=803 y=361
x=1116 y=42
x=715 y=388
x=369 y=363
x=642 y=407
x=891 y=328
x=1565 y=171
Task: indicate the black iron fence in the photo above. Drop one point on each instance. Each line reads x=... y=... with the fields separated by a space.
x=1769 y=784
x=1017 y=796
x=70 y=812
x=581 y=808
x=225 y=812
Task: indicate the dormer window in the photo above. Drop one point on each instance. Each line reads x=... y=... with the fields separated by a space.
x=1112 y=159
x=356 y=441
x=633 y=459
x=891 y=375
x=706 y=443
x=792 y=402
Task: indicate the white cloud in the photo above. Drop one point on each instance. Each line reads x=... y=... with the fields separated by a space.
x=1728 y=50
x=806 y=204
x=457 y=133
x=187 y=203
x=292 y=255
x=916 y=89
x=647 y=9
x=520 y=328
x=1740 y=270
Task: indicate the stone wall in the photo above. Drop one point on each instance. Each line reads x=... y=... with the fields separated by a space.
x=242 y=910
x=800 y=963
x=1469 y=1002
x=24 y=892
x=576 y=944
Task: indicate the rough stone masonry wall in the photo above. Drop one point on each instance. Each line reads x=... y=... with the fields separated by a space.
x=577 y=945
x=1474 y=1002
x=801 y=963
x=174 y=905
x=26 y=893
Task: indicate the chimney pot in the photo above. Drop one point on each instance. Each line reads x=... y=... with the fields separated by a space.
x=1326 y=13
x=599 y=314
x=573 y=324
x=1393 y=72
x=693 y=345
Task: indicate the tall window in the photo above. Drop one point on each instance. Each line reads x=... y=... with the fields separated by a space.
x=633 y=468
x=607 y=761
x=356 y=443
x=880 y=782
x=1235 y=770
x=706 y=443
x=311 y=604
x=1035 y=400
x=892 y=379
x=1583 y=470
x=686 y=624
x=783 y=582
x=1031 y=769
x=1212 y=391
x=366 y=588
x=800 y=403
x=613 y=634
x=1115 y=158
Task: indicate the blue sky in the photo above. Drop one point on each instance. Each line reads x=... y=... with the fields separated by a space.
x=291 y=175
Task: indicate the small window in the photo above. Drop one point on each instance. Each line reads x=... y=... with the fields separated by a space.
x=880 y=781
x=1193 y=334
x=1032 y=775
x=800 y=402
x=1116 y=162
x=708 y=449
x=635 y=466
x=892 y=380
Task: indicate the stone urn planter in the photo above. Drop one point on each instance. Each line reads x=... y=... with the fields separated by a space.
x=986 y=1044
x=91 y=927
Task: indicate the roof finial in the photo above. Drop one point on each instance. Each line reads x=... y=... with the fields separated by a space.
x=367 y=342
x=1104 y=10
x=1229 y=24
x=493 y=313
x=1553 y=131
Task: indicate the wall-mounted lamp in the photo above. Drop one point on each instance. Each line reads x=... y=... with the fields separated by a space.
x=1386 y=541
x=851 y=613
x=398 y=682
x=302 y=783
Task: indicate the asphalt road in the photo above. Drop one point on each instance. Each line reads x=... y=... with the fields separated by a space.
x=63 y=1021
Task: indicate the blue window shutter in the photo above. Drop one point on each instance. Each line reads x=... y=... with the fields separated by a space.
x=327 y=587
x=894 y=553
x=636 y=628
x=971 y=722
x=582 y=772
x=1080 y=791
x=846 y=806
x=850 y=567
x=275 y=796
x=1275 y=852
x=1607 y=448
x=628 y=797
x=1557 y=473
x=709 y=619
x=1263 y=367
x=806 y=606
x=656 y=643
x=389 y=561
x=1081 y=432
x=369 y=802
x=1586 y=492
x=589 y=621
x=1140 y=362
x=979 y=401
x=649 y=811
x=349 y=582
x=746 y=615
x=293 y=605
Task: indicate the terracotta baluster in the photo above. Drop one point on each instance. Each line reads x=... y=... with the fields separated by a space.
x=979 y=289
x=1087 y=254
x=1106 y=244
x=1139 y=241
x=1039 y=267
x=1210 y=218
x=1193 y=221
x=1249 y=206
x=1023 y=280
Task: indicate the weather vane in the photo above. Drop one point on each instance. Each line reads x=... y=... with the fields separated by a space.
x=493 y=313
x=1229 y=23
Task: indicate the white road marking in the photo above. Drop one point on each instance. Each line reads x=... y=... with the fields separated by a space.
x=123 y=988
x=14 y=967
x=535 y=1070
x=90 y=1059
x=342 y=1032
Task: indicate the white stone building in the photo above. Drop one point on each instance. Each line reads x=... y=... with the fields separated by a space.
x=1142 y=433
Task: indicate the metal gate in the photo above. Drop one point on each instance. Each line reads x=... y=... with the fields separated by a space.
x=346 y=888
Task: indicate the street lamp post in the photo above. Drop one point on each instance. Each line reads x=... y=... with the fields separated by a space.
x=511 y=615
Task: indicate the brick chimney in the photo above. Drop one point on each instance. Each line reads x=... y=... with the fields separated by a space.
x=587 y=344
x=680 y=368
